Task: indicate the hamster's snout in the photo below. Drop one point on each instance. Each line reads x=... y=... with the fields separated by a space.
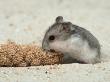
x=47 y=48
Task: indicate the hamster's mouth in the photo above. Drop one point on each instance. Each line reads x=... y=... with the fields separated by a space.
x=52 y=50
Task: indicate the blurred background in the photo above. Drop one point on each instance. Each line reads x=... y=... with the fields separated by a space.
x=25 y=21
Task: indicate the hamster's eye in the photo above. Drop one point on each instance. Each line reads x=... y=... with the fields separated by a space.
x=51 y=37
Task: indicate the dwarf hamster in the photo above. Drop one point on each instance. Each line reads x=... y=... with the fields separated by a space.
x=73 y=40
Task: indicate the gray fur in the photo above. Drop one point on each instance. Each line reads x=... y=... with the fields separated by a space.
x=86 y=35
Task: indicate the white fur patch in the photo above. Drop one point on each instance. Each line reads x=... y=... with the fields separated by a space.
x=76 y=48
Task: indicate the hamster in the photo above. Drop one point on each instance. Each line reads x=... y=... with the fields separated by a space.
x=72 y=40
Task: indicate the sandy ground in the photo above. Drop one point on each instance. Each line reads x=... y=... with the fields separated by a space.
x=25 y=21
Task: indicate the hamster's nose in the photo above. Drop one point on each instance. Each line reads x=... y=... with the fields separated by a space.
x=46 y=48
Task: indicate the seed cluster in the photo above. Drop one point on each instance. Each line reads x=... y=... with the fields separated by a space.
x=16 y=55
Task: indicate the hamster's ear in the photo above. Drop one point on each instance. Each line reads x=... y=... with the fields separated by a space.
x=59 y=19
x=67 y=27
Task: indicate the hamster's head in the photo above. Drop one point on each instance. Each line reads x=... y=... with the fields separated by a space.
x=57 y=34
